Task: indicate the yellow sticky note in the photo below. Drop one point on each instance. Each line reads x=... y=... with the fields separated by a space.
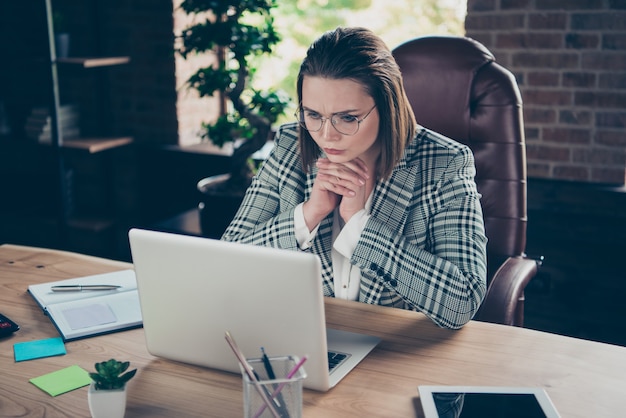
x=63 y=380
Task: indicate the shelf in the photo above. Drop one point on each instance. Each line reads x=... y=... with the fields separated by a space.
x=95 y=145
x=92 y=62
x=91 y=224
x=21 y=150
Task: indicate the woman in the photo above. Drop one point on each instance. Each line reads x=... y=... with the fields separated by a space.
x=390 y=208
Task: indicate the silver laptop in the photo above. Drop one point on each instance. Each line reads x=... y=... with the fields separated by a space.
x=192 y=290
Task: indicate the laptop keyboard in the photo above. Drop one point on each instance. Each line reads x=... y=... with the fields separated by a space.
x=335 y=359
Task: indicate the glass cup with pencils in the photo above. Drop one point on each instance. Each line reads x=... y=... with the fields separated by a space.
x=280 y=380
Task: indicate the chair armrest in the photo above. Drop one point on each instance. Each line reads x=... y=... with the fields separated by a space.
x=503 y=303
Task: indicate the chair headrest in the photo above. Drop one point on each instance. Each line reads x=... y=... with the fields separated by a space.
x=438 y=73
x=443 y=53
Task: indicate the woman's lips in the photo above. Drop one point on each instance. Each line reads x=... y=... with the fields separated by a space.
x=333 y=151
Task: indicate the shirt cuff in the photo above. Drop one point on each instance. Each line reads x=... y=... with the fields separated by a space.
x=303 y=235
x=349 y=236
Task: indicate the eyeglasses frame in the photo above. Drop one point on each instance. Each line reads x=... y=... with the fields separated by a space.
x=324 y=119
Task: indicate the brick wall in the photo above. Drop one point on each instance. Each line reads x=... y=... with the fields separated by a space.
x=569 y=57
x=146 y=93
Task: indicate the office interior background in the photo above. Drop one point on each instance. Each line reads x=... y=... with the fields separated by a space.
x=569 y=58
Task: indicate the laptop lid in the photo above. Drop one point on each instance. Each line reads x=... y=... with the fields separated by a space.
x=192 y=290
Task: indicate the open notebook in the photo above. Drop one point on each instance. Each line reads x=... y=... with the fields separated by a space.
x=81 y=314
x=192 y=290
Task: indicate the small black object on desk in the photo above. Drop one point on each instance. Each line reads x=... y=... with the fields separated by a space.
x=7 y=327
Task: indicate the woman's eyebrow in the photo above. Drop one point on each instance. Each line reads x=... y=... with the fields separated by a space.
x=341 y=112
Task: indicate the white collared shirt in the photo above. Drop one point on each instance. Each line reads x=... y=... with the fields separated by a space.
x=347 y=279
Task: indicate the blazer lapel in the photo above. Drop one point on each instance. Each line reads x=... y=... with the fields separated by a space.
x=393 y=196
x=390 y=206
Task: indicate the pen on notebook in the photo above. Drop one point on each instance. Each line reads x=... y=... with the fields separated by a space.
x=81 y=287
x=280 y=387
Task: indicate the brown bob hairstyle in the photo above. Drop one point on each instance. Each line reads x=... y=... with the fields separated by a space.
x=359 y=55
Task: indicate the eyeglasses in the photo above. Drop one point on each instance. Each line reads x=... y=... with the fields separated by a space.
x=344 y=123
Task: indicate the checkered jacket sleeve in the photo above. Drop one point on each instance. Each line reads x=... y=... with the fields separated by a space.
x=424 y=246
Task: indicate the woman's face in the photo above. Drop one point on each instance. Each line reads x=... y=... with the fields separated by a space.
x=325 y=97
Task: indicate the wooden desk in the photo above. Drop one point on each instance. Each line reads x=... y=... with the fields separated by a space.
x=583 y=378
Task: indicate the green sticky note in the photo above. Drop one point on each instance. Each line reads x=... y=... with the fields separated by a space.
x=63 y=380
x=29 y=350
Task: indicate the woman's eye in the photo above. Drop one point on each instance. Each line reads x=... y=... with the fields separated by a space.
x=312 y=115
x=347 y=118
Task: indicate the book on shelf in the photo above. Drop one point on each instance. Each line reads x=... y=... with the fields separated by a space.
x=35 y=121
x=86 y=313
x=45 y=137
x=39 y=123
x=64 y=110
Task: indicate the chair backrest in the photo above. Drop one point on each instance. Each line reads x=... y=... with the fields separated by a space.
x=456 y=88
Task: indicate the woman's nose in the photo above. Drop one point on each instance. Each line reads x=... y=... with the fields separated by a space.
x=329 y=131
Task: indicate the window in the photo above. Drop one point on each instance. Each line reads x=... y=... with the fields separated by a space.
x=301 y=21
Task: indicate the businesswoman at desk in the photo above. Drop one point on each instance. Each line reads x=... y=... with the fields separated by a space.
x=390 y=207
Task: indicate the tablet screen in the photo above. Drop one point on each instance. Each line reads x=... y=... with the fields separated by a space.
x=493 y=402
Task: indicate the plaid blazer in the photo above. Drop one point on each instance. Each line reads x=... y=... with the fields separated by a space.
x=424 y=246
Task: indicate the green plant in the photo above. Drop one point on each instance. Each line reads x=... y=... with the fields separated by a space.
x=110 y=374
x=237 y=32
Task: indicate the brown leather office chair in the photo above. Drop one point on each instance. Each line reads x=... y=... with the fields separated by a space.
x=456 y=88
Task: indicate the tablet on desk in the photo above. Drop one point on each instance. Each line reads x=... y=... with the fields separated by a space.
x=485 y=401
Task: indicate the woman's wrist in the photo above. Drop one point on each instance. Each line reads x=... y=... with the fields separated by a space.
x=312 y=217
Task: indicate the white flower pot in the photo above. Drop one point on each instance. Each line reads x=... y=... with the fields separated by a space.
x=106 y=403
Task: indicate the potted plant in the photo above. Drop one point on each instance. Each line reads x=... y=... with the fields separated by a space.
x=107 y=392
x=236 y=32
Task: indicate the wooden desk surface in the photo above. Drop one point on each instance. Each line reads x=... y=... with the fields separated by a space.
x=583 y=378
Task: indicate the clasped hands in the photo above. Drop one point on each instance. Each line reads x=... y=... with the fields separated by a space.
x=337 y=184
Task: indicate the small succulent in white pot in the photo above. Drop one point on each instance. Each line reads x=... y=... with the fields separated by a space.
x=107 y=393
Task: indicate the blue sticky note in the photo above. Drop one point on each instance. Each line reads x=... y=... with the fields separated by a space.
x=30 y=350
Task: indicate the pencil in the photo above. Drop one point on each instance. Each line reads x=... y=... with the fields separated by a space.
x=246 y=367
x=280 y=387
